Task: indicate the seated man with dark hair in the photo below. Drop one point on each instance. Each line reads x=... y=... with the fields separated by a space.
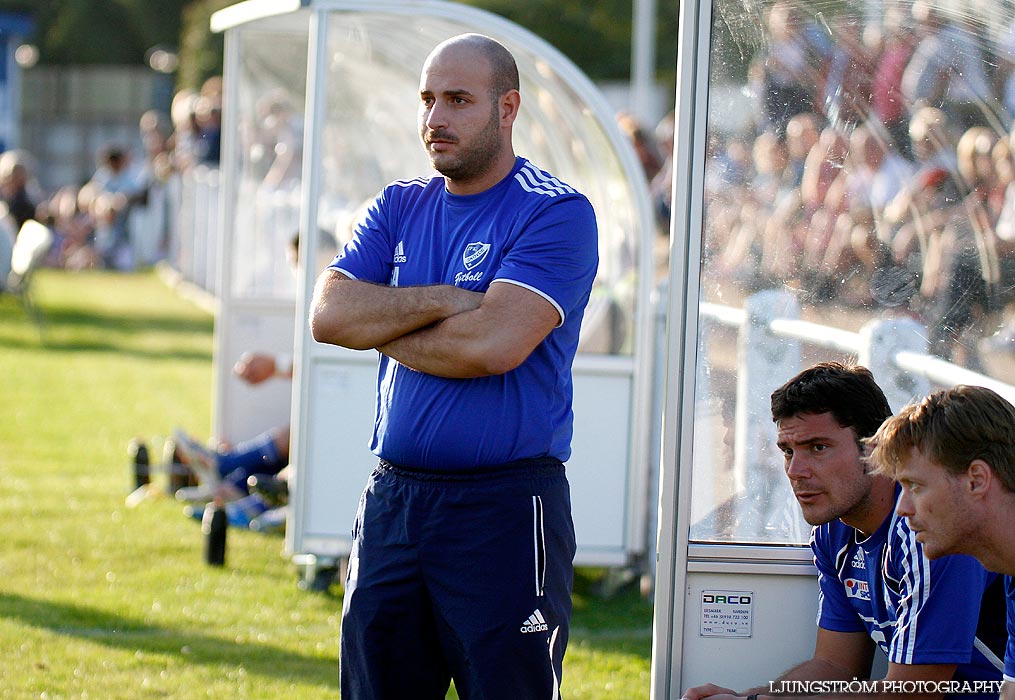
x=936 y=621
x=954 y=455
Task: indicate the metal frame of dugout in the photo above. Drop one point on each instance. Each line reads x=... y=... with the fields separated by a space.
x=736 y=590
x=735 y=607
x=351 y=70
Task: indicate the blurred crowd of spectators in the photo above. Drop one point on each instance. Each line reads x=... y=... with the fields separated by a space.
x=877 y=173
x=119 y=219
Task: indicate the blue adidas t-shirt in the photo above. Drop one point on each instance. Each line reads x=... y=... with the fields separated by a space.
x=530 y=230
x=946 y=611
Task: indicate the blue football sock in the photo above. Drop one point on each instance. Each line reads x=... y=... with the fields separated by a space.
x=238 y=513
x=255 y=456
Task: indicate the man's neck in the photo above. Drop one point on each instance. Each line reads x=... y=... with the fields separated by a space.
x=868 y=516
x=994 y=545
x=499 y=170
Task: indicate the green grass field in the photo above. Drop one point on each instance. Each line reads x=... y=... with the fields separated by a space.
x=102 y=601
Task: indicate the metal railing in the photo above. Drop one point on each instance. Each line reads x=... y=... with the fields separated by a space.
x=770 y=340
x=896 y=347
x=196 y=230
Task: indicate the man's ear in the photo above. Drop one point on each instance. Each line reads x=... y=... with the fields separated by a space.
x=978 y=478
x=509 y=104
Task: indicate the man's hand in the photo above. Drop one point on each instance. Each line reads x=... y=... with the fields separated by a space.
x=492 y=339
x=363 y=316
x=709 y=690
x=256 y=367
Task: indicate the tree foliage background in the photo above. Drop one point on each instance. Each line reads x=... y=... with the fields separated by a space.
x=595 y=35
x=100 y=31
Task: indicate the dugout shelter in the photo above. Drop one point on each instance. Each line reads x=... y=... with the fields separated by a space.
x=319 y=110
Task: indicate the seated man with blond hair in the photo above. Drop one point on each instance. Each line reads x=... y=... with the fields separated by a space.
x=954 y=456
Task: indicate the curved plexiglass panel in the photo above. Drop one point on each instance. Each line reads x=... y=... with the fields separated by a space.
x=858 y=201
x=269 y=112
x=370 y=138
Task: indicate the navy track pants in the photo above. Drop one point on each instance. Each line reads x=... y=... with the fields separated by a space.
x=459 y=576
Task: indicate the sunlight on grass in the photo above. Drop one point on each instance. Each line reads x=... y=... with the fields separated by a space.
x=99 y=600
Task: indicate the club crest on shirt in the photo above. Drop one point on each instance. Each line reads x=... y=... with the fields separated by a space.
x=855 y=588
x=474 y=254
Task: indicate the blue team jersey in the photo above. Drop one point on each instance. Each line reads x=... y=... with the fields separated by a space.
x=530 y=230
x=1009 y=652
x=946 y=611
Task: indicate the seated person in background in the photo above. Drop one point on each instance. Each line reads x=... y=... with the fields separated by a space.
x=875 y=585
x=954 y=455
x=225 y=473
x=118 y=187
x=19 y=190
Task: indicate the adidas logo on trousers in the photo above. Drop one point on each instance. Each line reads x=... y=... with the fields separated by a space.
x=535 y=623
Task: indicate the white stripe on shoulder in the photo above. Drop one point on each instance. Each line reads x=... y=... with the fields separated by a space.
x=414 y=182
x=547 y=177
x=520 y=179
x=532 y=179
x=916 y=573
x=538 y=178
x=560 y=311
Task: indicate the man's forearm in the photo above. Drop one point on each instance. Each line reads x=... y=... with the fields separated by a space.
x=430 y=350
x=361 y=315
x=815 y=669
x=491 y=339
x=460 y=347
x=811 y=671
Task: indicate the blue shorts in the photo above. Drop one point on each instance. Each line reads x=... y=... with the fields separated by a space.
x=463 y=576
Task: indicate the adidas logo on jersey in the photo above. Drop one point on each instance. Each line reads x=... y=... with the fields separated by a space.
x=535 y=623
x=858 y=560
x=399 y=257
